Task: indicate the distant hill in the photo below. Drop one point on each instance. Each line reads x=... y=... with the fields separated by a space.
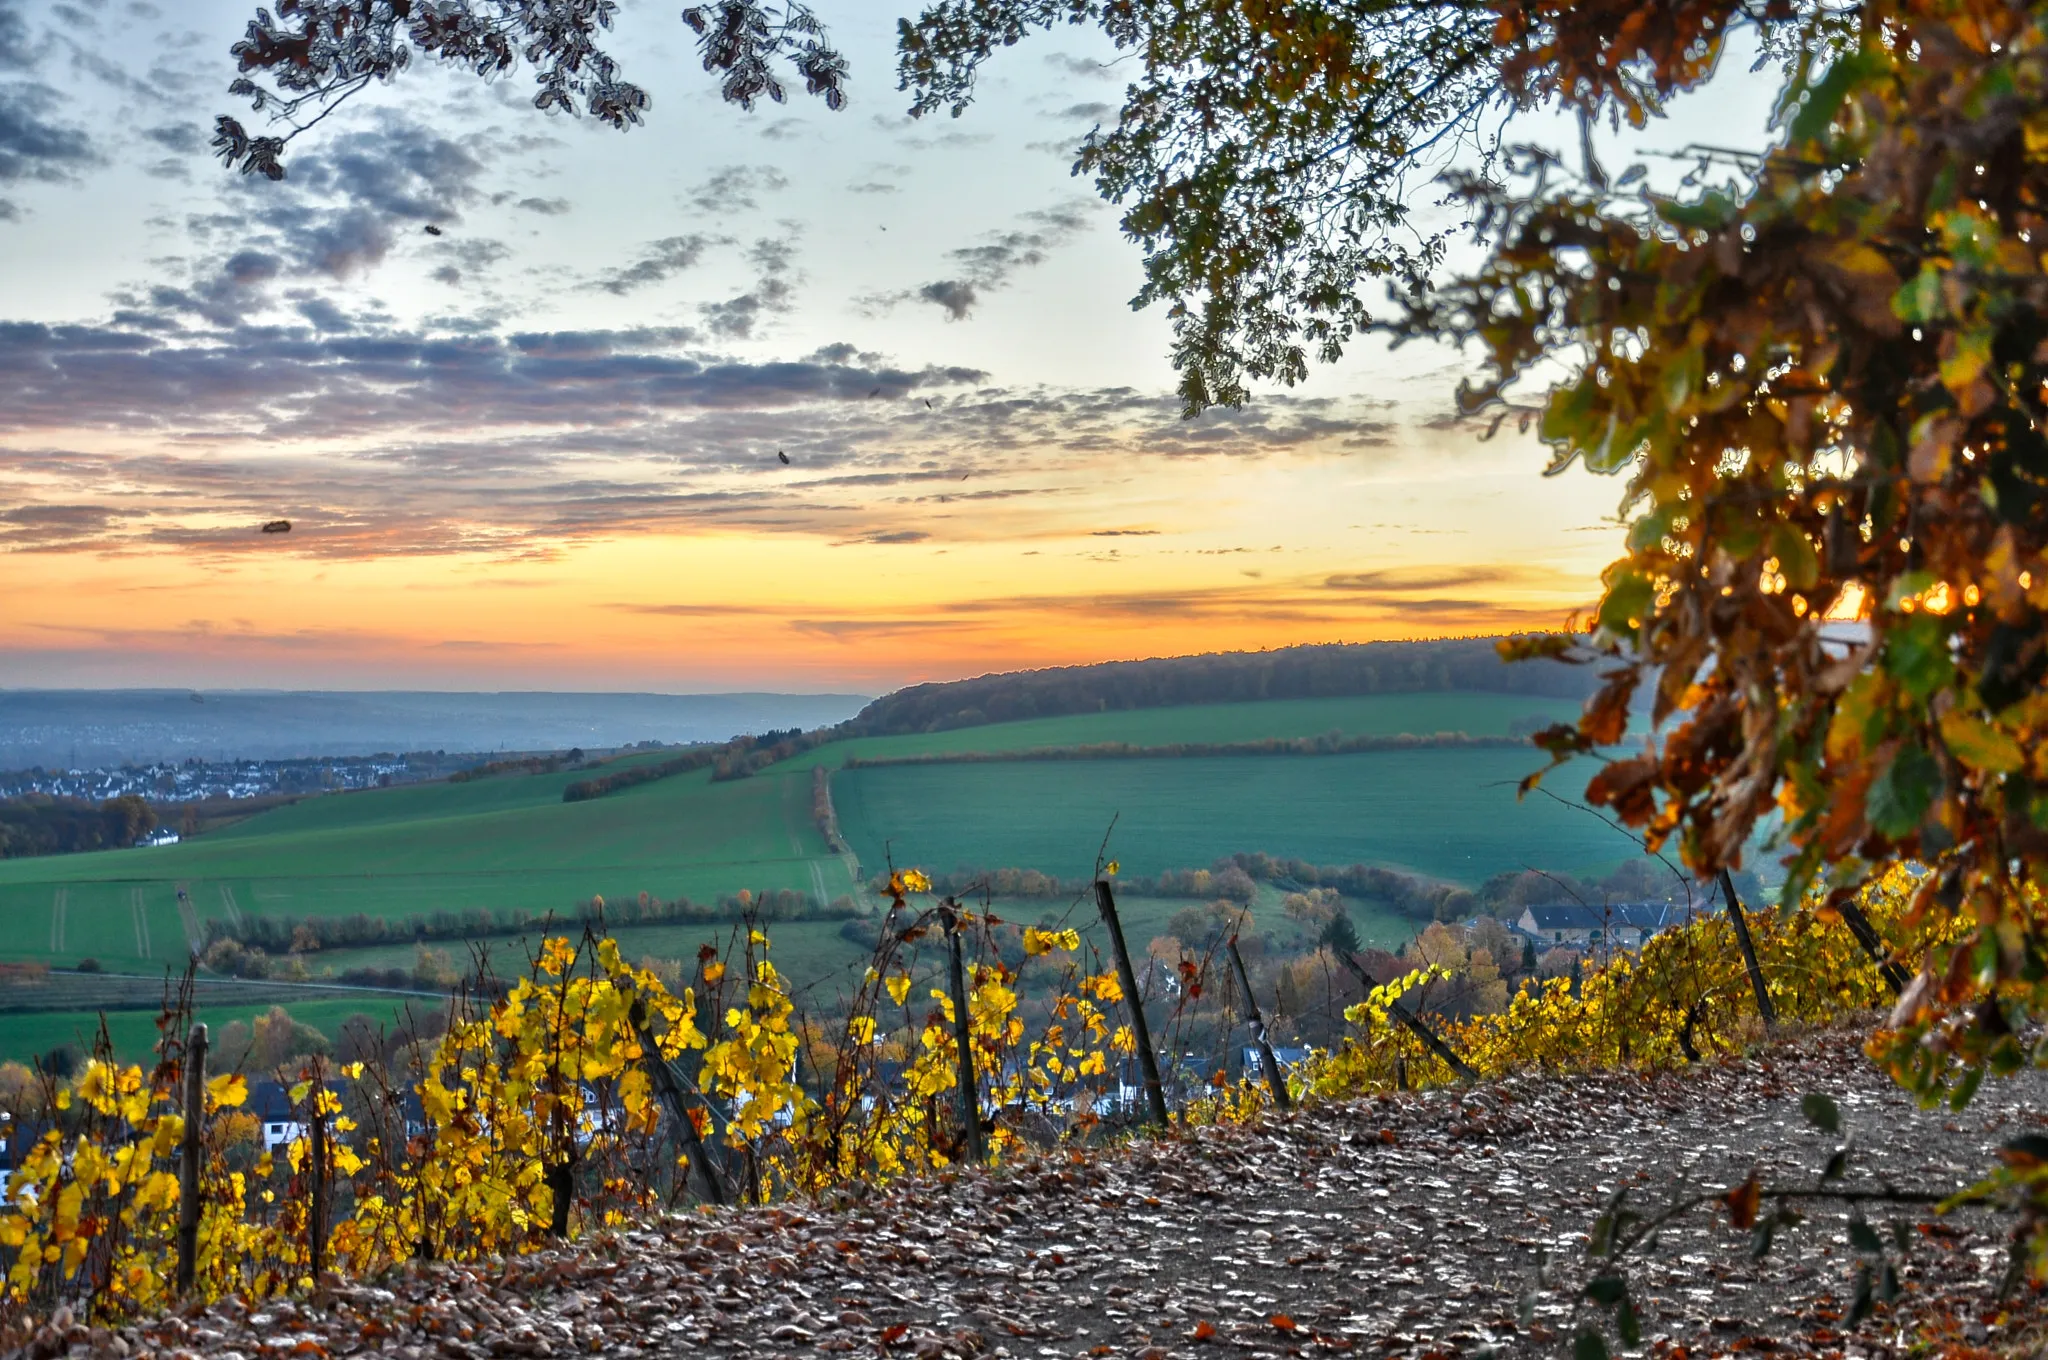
x=84 y=728
x=1312 y=672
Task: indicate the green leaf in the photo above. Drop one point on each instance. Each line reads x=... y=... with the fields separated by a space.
x=1916 y=655
x=1607 y=1290
x=1965 y=1089
x=1920 y=300
x=1859 y=1303
x=1899 y=798
x=1626 y=1322
x=1864 y=1238
x=1838 y=1165
x=1629 y=597
x=1968 y=359
x=1821 y=1111
x=1825 y=98
x=1568 y=416
x=1796 y=557
x=1589 y=1345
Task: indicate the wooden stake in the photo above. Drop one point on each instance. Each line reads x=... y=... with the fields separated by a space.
x=188 y=1160
x=670 y=1090
x=1742 y=942
x=1873 y=944
x=316 y=1213
x=1411 y=1022
x=963 y=1040
x=1267 y=1058
x=1148 y=1061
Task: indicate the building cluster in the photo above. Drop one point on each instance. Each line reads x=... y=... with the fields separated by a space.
x=196 y=780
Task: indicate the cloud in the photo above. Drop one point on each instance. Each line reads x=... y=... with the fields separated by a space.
x=956 y=296
x=736 y=188
x=546 y=207
x=991 y=264
x=183 y=138
x=1416 y=578
x=891 y=537
x=34 y=148
x=658 y=260
x=773 y=293
x=1093 y=113
x=1077 y=66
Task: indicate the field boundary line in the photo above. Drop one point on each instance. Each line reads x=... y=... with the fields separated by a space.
x=140 y=914
x=59 y=905
x=227 y=901
x=188 y=918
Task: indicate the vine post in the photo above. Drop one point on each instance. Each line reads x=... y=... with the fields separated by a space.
x=316 y=1178
x=963 y=1038
x=189 y=1150
x=1411 y=1022
x=1743 y=942
x=1267 y=1058
x=1141 y=1033
x=671 y=1092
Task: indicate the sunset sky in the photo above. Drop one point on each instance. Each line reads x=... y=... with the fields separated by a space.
x=539 y=449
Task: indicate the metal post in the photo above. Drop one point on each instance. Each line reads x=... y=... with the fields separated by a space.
x=188 y=1160
x=963 y=1040
x=1148 y=1061
x=1742 y=942
x=1267 y=1058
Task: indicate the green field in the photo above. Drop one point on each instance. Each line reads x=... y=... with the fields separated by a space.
x=506 y=843
x=510 y=843
x=1447 y=814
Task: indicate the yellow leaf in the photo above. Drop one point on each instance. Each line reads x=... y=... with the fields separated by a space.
x=1045 y=941
x=1981 y=746
x=714 y=973
x=1109 y=869
x=899 y=987
x=861 y=1029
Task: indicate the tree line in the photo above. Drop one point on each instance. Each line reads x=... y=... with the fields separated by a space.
x=1327 y=744
x=282 y=935
x=1333 y=670
x=51 y=824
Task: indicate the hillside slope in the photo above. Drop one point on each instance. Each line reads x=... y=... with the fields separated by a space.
x=1401 y=1227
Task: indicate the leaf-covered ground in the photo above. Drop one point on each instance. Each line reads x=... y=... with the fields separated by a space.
x=1393 y=1227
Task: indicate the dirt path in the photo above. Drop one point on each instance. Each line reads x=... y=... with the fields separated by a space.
x=1394 y=1227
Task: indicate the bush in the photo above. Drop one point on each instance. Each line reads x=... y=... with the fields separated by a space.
x=88 y=964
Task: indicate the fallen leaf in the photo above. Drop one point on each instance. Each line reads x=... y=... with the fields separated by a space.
x=1743 y=1201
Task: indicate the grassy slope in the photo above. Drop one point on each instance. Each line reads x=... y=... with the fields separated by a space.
x=1364 y=715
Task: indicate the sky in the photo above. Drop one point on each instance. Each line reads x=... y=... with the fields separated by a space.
x=539 y=449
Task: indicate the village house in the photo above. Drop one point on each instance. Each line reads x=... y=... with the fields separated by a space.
x=1627 y=924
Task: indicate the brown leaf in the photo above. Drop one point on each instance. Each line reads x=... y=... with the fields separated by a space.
x=1283 y=1322
x=1743 y=1202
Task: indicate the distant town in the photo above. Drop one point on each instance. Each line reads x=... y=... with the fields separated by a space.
x=194 y=780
